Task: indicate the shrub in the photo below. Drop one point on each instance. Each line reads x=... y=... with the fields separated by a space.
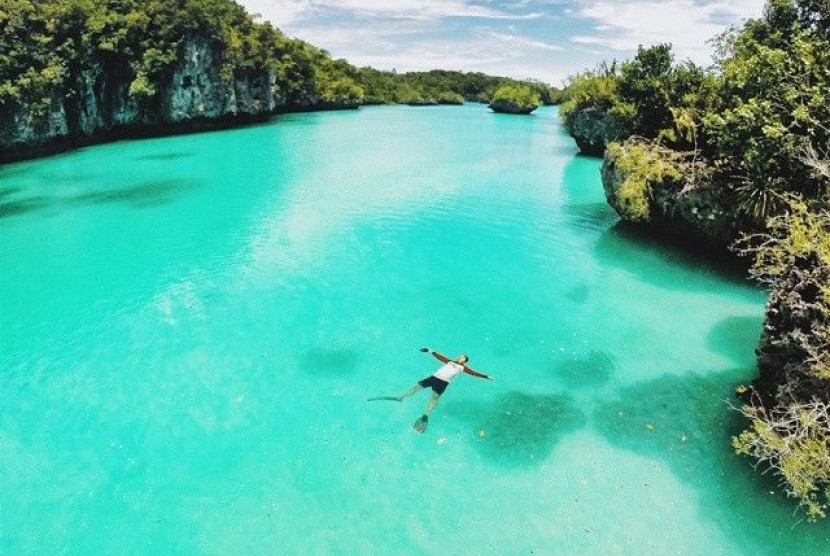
x=589 y=89
x=789 y=429
x=793 y=441
x=642 y=168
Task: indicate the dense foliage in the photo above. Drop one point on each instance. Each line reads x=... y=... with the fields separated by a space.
x=759 y=120
x=46 y=46
x=440 y=87
x=71 y=68
x=643 y=168
x=754 y=116
x=773 y=106
x=650 y=96
x=590 y=89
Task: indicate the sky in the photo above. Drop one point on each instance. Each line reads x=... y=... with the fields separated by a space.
x=539 y=39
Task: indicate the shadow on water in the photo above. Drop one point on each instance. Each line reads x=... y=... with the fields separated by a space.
x=736 y=337
x=338 y=361
x=685 y=421
x=521 y=429
x=588 y=370
x=8 y=192
x=165 y=156
x=140 y=195
x=579 y=294
x=14 y=170
x=665 y=263
x=581 y=182
x=11 y=207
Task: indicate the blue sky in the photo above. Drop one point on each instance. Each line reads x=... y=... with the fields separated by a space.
x=542 y=39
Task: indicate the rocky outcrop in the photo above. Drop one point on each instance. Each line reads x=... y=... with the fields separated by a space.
x=593 y=128
x=199 y=91
x=195 y=94
x=348 y=104
x=693 y=207
x=796 y=324
x=504 y=106
x=29 y=125
x=421 y=102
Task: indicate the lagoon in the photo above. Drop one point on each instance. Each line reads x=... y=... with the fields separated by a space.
x=190 y=327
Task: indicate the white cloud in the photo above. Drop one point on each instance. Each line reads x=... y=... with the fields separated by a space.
x=686 y=24
x=421 y=9
x=511 y=40
x=468 y=55
x=517 y=38
x=379 y=37
x=279 y=12
x=289 y=12
x=507 y=55
x=415 y=35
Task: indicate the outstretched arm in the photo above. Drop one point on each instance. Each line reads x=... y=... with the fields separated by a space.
x=435 y=354
x=469 y=371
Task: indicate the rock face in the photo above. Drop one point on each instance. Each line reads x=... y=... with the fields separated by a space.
x=422 y=102
x=198 y=90
x=694 y=209
x=795 y=327
x=196 y=94
x=593 y=128
x=507 y=107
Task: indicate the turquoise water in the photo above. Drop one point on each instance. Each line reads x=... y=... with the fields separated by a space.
x=191 y=327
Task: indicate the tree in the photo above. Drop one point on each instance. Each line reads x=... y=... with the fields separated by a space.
x=644 y=85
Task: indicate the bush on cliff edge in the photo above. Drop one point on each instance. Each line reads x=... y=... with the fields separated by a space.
x=641 y=168
x=789 y=405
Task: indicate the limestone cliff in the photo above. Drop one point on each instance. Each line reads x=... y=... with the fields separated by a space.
x=101 y=105
x=683 y=201
x=796 y=324
x=198 y=90
x=593 y=128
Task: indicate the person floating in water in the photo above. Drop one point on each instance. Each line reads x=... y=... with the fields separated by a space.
x=438 y=381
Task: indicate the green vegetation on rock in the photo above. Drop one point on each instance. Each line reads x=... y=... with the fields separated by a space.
x=789 y=405
x=591 y=89
x=642 y=168
x=793 y=441
x=515 y=98
x=440 y=87
x=648 y=96
x=71 y=70
x=755 y=117
x=753 y=135
x=46 y=47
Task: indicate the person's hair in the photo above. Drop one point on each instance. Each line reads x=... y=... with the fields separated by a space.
x=464 y=355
